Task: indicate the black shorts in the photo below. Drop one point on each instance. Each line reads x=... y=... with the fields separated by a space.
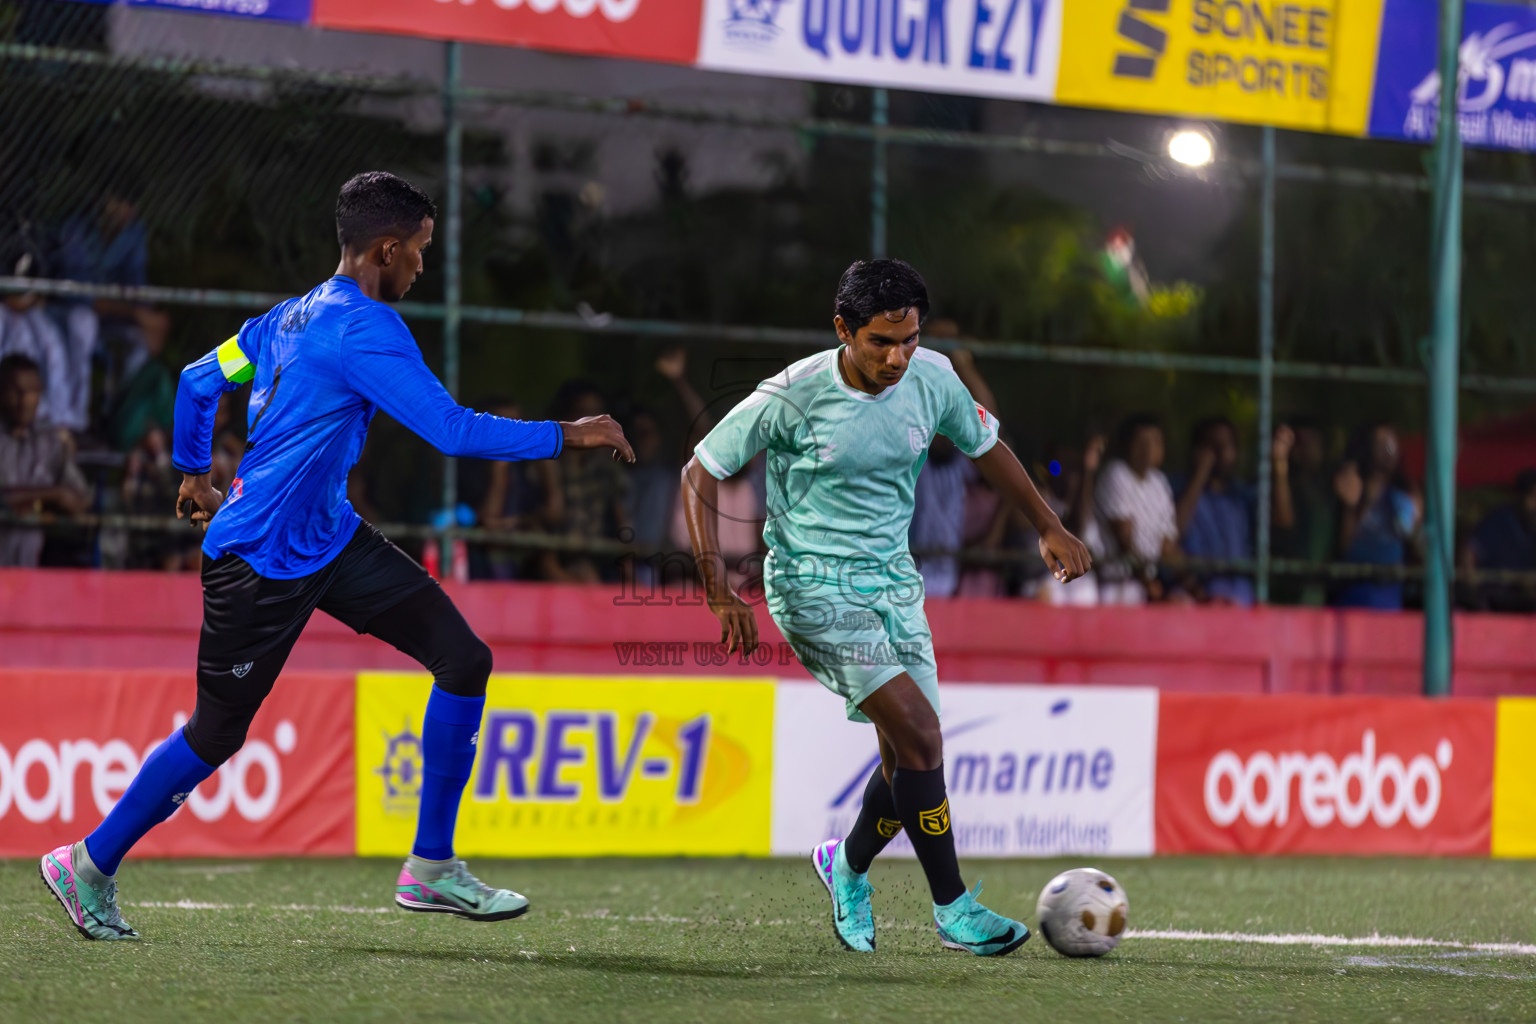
x=249 y=618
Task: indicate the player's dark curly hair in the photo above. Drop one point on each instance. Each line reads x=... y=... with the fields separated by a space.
x=872 y=287
x=378 y=203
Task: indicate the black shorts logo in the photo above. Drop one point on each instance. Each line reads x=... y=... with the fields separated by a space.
x=241 y=671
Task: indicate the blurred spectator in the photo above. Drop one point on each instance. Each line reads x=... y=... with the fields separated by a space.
x=110 y=248
x=587 y=494
x=944 y=516
x=1377 y=517
x=1505 y=540
x=1067 y=484
x=37 y=466
x=27 y=329
x=1136 y=515
x=150 y=485
x=1215 y=513
x=146 y=399
x=515 y=498
x=1304 y=509
x=653 y=482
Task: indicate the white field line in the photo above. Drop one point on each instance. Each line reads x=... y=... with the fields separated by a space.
x=1368 y=941
x=302 y=908
x=1374 y=941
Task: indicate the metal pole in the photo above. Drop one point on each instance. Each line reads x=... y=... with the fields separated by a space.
x=1444 y=365
x=1266 y=360
x=453 y=225
x=879 y=178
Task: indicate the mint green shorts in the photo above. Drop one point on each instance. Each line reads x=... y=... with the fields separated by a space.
x=855 y=640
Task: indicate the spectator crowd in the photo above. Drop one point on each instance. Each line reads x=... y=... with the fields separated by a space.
x=86 y=400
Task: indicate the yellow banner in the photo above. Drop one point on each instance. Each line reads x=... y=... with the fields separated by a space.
x=1514 y=779
x=577 y=766
x=1305 y=64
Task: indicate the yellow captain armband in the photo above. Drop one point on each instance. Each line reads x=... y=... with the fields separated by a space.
x=232 y=361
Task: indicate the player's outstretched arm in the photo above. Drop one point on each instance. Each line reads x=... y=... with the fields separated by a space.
x=597 y=432
x=700 y=497
x=1065 y=555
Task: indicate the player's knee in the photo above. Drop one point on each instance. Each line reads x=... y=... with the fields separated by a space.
x=921 y=748
x=467 y=671
x=216 y=737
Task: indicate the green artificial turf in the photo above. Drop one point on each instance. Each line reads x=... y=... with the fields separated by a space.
x=737 y=940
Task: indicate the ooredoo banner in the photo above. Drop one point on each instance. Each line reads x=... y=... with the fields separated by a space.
x=1032 y=771
x=1301 y=64
x=579 y=766
x=979 y=47
x=1334 y=775
x=70 y=742
x=660 y=30
x=1496 y=95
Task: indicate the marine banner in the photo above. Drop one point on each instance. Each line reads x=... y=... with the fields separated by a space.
x=579 y=766
x=71 y=741
x=1032 y=771
x=1303 y=64
x=1324 y=775
x=1497 y=88
x=659 y=30
x=1002 y=48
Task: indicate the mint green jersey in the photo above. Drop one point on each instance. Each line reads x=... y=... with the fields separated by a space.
x=842 y=464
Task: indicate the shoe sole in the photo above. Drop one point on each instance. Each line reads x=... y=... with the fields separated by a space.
x=1015 y=944
x=435 y=908
x=42 y=872
x=827 y=882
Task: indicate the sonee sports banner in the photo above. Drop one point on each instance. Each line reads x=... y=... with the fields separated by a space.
x=1290 y=63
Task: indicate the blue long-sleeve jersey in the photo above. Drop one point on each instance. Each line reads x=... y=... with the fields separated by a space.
x=322 y=365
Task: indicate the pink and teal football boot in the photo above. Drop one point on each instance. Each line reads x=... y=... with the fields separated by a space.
x=853 y=916
x=450 y=889
x=87 y=897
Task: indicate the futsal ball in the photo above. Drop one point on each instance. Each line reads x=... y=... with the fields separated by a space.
x=1082 y=912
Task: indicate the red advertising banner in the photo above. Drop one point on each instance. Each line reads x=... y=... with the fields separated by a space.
x=1303 y=774
x=660 y=30
x=71 y=741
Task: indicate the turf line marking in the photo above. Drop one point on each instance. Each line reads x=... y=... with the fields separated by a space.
x=1372 y=941
x=292 y=907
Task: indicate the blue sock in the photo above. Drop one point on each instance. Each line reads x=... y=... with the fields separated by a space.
x=448 y=746
x=168 y=774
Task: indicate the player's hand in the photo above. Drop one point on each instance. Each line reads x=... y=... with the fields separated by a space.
x=1065 y=555
x=738 y=626
x=197 y=500
x=598 y=432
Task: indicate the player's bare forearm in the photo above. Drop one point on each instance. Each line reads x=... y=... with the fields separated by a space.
x=1002 y=469
x=1065 y=556
x=700 y=496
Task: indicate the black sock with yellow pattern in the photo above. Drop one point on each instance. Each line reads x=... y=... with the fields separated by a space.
x=922 y=803
x=876 y=825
